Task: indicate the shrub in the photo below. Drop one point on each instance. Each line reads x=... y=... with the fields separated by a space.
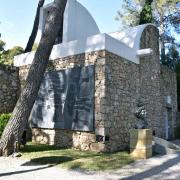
x=3 y=121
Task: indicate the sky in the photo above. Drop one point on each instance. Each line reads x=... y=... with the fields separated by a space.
x=17 y=18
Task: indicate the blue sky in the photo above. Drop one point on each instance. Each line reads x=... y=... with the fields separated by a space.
x=17 y=18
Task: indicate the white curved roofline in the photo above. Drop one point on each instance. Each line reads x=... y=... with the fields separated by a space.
x=78 y=22
x=90 y=15
x=131 y=37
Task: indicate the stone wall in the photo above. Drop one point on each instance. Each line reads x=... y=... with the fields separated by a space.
x=9 y=88
x=150 y=79
x=116 y=93
x=169 y=88
x=119 y=84
x=121 y=94
x=64 y=138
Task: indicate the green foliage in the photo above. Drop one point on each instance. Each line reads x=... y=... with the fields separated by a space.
x=129 y=14
x=72 y=159
x=35 y=46
x=163 y=12
x=4 y=118
x=6 y=57
x=146 y=13
x=2 y=45
x=165 y=15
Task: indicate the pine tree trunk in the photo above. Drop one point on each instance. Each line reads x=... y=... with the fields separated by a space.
x=35 y=28
x=19 y=119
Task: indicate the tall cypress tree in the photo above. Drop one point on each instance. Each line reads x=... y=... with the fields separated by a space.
x=146 y=13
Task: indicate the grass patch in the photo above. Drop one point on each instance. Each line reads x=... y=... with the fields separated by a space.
x=4 y=118
x=73 y=159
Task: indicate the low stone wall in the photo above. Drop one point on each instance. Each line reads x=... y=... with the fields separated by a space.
x=118 y=86
x=66 y=138
x=9 y=88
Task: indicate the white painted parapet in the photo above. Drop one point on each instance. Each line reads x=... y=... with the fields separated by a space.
x=81 y=35
x=94 y=43
x=144 y=52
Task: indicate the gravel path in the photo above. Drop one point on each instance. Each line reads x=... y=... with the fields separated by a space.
x=159 y=167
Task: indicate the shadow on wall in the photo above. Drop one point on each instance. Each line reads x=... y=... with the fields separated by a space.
x=64 y=138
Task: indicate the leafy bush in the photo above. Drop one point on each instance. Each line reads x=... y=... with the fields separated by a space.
x=4 y=118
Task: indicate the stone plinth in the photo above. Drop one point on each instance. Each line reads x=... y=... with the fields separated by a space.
x=141 y=143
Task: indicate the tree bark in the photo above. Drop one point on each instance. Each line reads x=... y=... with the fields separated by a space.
x=20 y=115
x=35 y=28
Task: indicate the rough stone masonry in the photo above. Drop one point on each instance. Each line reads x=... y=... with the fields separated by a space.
x=119 y=83
x=126 y=66
x=9 y=88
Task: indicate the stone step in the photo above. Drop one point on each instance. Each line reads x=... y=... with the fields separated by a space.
x=162 y=146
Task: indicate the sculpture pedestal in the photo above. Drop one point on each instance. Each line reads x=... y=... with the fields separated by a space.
x=141 y=143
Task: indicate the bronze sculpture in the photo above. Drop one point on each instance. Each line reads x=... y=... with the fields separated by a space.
x=141 y=115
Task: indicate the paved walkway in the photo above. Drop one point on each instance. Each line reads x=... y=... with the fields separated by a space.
x=177 y=142
x=160 y=168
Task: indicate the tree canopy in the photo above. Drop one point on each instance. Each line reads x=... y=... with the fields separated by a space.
x=2 y=45
x=165 y=15
x=162 y=10
x=7 y=56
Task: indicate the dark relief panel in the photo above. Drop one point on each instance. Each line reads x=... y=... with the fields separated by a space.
x=66 y=100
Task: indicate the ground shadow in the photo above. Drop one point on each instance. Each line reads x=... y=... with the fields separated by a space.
x=24 y=171
x=155 y=170
x=50 y=160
